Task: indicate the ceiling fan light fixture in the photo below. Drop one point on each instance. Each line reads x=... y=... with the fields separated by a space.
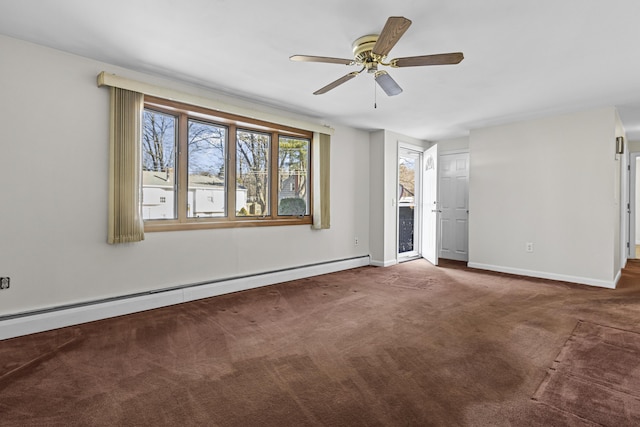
x=390 y=87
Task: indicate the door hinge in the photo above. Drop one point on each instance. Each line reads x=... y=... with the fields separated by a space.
x=628 y=246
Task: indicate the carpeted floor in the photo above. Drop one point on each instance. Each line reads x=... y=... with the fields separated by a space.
x=596 y=376
x=408 y=345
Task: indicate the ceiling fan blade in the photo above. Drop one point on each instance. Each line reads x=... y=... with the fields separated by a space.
x=387 y=84
x=336 y=83
x=391 y=33
x=439 y=59
x=307 y=58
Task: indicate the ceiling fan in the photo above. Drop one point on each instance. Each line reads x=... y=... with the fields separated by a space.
x=371 y=50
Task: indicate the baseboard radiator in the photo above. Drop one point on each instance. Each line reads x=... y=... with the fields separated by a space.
x=19 y=324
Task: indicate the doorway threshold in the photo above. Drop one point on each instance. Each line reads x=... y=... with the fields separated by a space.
x=408 y=258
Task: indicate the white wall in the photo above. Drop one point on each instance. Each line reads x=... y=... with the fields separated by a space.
x=554 y=182
x=377 y=197
x=53 y=221
x=456 y=144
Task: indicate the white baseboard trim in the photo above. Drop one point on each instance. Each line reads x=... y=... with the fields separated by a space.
x=546 y=275
x=45 y=320
x=387 y=263
x=617 y=279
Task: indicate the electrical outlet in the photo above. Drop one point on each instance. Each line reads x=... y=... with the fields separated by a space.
x=5 y=282
x=529 y=247
x=355 y=241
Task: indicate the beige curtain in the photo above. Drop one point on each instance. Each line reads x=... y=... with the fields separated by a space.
x=322 y=182
x=125 y=219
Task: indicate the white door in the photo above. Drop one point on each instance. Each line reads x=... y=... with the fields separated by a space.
x=453 y=189
x=430 y=205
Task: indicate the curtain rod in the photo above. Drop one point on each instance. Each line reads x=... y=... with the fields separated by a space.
x=108 y=79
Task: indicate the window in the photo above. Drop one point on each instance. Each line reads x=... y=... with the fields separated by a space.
x=206 y=180
x=158 y=165
x=206 y=169
x=293 y=175
x=252 y=172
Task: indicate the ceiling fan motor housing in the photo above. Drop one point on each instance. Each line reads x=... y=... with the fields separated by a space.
x=362 y=52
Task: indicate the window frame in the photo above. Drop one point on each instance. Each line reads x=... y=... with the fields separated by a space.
x=232 y=123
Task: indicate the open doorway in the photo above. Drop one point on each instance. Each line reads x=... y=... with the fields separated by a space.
x=409 y=202
x=634 y=205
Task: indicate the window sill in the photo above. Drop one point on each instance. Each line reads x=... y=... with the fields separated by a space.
x=207 y=223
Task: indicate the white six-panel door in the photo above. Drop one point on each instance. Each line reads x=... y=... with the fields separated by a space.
x=453 y=190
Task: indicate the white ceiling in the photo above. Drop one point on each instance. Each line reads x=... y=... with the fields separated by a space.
x=523 y=59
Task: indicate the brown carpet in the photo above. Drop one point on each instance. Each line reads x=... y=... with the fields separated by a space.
x=409 y=345
x=596 y=376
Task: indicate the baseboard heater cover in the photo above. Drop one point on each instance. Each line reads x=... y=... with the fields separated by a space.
x=58 y=317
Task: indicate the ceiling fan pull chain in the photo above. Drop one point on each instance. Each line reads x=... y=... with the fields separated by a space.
x=375 y=95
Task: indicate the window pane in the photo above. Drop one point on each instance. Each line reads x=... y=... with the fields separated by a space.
x=252 y=173
x=158 y=165
x=293 y=172
x=207 y=191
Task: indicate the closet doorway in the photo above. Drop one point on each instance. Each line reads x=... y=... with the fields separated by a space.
x=634 y=206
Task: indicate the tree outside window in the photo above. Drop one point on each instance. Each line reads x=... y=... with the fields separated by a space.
x=293 y=172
